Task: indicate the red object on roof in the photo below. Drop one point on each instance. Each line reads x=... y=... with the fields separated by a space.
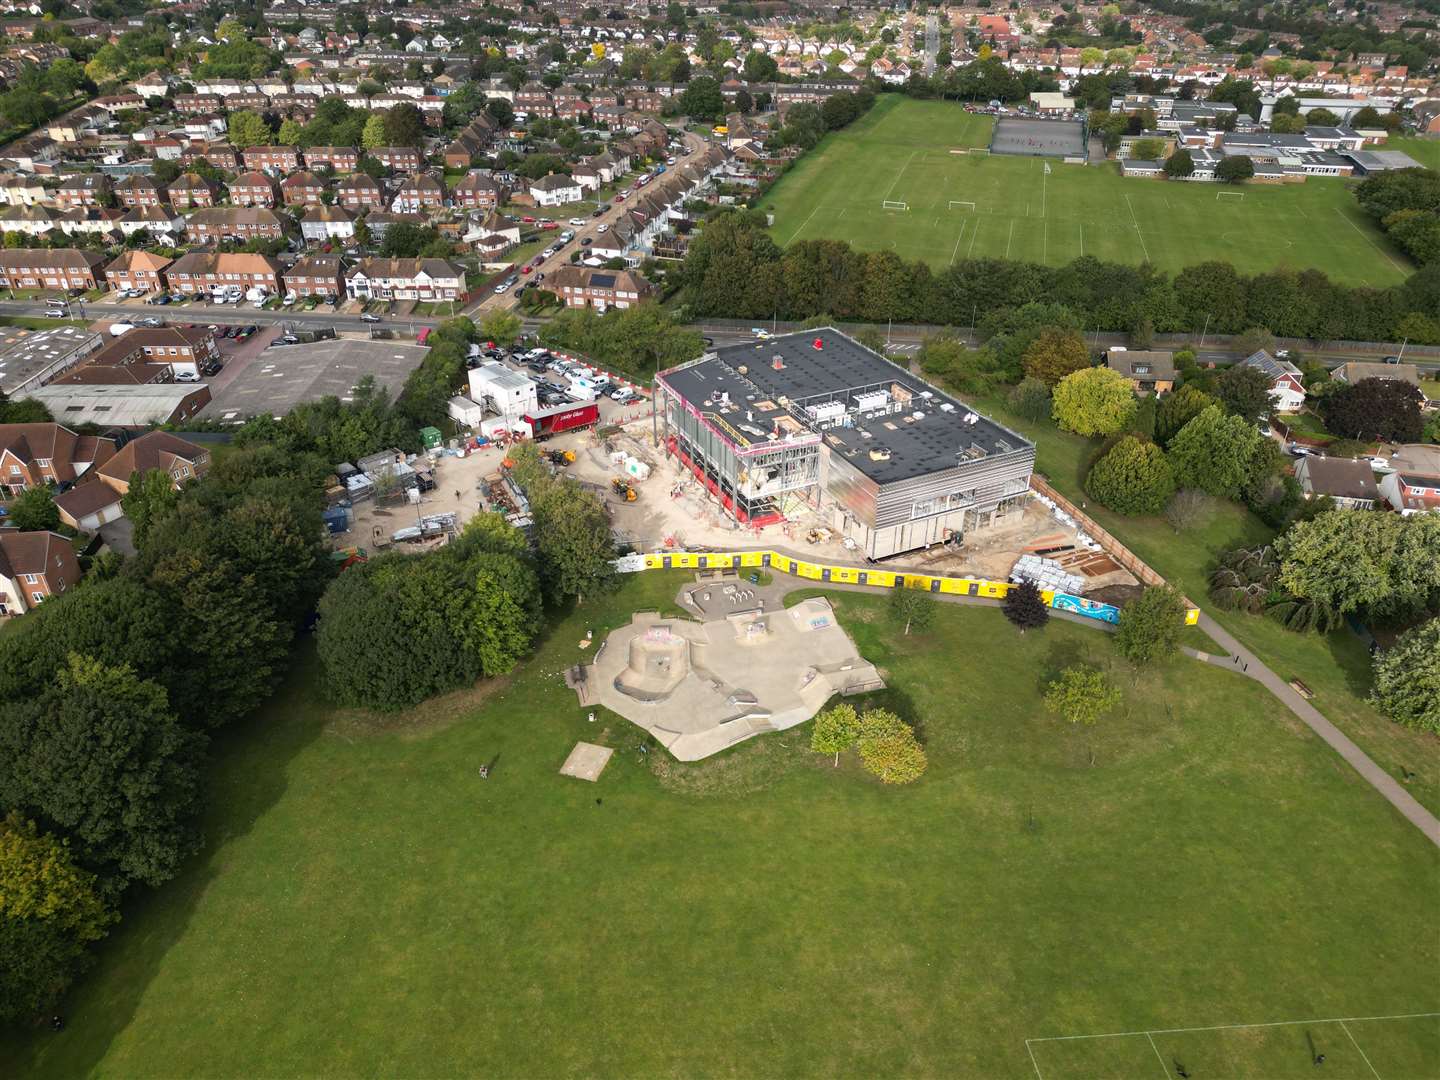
x=819 y=344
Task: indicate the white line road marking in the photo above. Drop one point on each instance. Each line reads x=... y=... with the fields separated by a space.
x=957 y=243
x=1165 y=1069
x=1367 y=239
x=900 y=173
x=798 y=231
x=1357 y=1047
x=1234 y=1027
x=1143 y=246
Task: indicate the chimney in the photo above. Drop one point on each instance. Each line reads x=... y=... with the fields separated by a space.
x=778 y=362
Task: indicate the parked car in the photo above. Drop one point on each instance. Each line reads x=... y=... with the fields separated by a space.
x=286 y=339
x=599 y=210
x=587 y=241
x=504 y=286
x=603 y=227
x=367 y=317
x=577 y=221
x=186 y=376
x=214 y=367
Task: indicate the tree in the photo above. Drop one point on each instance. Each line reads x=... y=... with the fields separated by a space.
x=249 y=129
x=912 y=608
x=889 y=749
x=573 y=539
x=702 y=99
x=1054 y=354
x=836 y=730
x=1150 y=625
x=1096 y=401
x=1253 y=339
x=1212 y=452
x=1245 y=392
x=501 y=327
x=1322 y=118
x=1031 y=399
x=1133 y=477
x=1081 y=695
x=290 y=133
x=1025 y=607
x=1180 y=164
x=50 y=910
x=1148 y=150
x=1360 y=561
x=403 y=126
x=1187 y=509
x=374 y=133
x=1375 y=409
x=34 y=509
x=1235 y=170
x=102 y=755
x=1177 y=409
x=1407 y=678
x=152 y=496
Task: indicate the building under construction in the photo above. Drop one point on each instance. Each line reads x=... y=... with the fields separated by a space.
x=816 y=419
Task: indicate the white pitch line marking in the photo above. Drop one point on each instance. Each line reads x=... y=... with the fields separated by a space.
x=1009 y=238
x=957 y=243
x=1361 y=1052
x=1138 y=231
x=1163 y=1067
x=798 y=231
x=1235 y=1027
x=900 y=173
x=1367 y=239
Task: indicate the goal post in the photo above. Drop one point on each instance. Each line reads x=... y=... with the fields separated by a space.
x=1229 y=194
x=960 y=204
x=893 y=204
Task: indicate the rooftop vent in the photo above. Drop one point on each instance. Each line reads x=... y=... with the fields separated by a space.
x=743 y=370
x=879 y=453
x=917 y=416
x=818 y=344
x=972 y=418
x=945 y=406
x=777 y=362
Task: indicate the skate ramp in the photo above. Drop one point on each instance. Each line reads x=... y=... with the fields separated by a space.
x=657 y=661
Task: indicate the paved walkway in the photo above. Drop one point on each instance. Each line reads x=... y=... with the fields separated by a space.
x=1242 y=661
x=1378 y=778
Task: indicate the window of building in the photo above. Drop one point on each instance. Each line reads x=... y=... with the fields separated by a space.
x=37 y=596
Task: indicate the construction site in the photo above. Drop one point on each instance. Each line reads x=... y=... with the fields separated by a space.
x=747 y=666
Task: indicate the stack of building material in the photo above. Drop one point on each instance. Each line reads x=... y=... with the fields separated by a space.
x=1046 y=574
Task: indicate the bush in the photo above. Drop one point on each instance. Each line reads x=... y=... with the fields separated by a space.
x=1134 y=477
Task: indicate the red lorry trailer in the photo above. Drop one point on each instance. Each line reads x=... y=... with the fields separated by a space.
x=546 y=422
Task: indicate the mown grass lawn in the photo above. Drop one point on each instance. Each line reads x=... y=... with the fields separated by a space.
x=961 y=205
x=1335 y=666
x=368 y=906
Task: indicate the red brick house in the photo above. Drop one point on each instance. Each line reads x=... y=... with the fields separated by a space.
x=580 y=286
x=33 y=455
x=136 y=191
x=360 y=192
x=83 y=190
x=275 y=159
x=34 y=566
x=314 y=275
x=191 y=190
x=201 y=271
x=137 y=270
x=50 y=268
x=421 y=193
x=534 y=100
x=212 y=224
x=400 y=159
x=342 y=159
x=302 y=189
x=253 y=189
x=221 y=155
x=476 y=191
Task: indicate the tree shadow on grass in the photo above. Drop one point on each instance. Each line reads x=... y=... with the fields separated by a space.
x=247 y=775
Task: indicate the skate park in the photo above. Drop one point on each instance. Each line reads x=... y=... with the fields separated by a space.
x=744 y=667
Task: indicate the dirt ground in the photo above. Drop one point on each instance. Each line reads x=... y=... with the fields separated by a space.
x=674 y=511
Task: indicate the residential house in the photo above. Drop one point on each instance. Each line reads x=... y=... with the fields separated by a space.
x=34 y=220
x=36 y=455
x=360 y=192
x=399 y=159
x=1149 y=371
x=34 y=566
x=202 y=271
x=1354 y=371
x=555 y=189
x=253 y=189
x=83 y=189
x=18 y=189
x=581 y=286
x=280 y=160
x=323 y=223
x=88 y=506
x=314 y=275
x=533 y=99
x=1287 y=386
x=136 y=269
x=493 y=236
x=212 y=224
x=138 y=190
x=405 y=279
x=471 y=142
x=1414 y=485
x=302 y=188
x=184 y=349
x=189 y=191
x=159 y=451
x=50 y=268
x=1350 y=483
x=478 y=191
x=422 y=193
x=341 y=159
x=159 y=221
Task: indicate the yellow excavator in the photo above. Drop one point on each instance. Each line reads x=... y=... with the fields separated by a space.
x=561 y=458
x=623 y=489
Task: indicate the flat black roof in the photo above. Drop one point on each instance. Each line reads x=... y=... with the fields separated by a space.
x=931 y=432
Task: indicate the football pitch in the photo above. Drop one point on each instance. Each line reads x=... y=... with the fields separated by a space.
x=913 y=177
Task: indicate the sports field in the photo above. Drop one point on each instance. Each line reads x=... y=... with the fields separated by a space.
x=959 y=205
x=368 y=906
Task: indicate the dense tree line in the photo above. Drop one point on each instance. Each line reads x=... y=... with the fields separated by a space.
x=110 y=692
x=1406 y=205
x=735 y=269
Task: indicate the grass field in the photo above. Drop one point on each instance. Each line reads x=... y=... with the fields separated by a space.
x=1425 y=151
x=901 y=151
x=368 y=906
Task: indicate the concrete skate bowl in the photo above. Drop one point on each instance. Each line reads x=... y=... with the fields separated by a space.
x=659 y=661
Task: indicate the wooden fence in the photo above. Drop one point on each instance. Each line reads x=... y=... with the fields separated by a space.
x=1113 y=547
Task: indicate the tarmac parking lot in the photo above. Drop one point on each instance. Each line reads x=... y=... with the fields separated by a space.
x=274 y=380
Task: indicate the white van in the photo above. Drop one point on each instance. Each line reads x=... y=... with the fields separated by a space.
x=582 y=390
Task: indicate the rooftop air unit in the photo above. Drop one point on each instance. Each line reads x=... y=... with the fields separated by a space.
x=945 y=406
x=879 y=453
x=826 y=413
x=876 y=399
